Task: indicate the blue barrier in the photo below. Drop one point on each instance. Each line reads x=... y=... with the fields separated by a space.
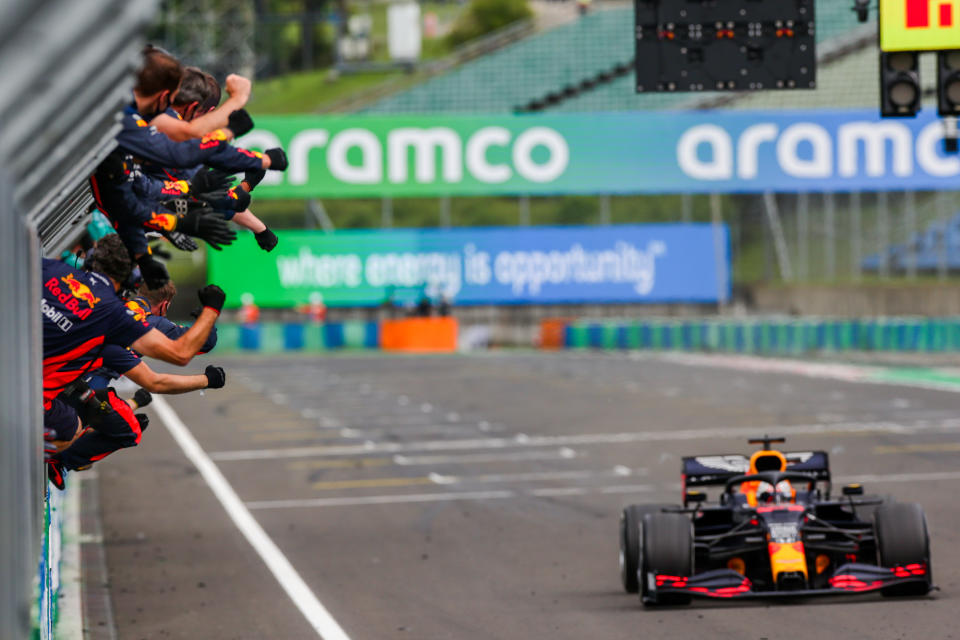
x=250 y=337
x=787 y=336
x=293 y=338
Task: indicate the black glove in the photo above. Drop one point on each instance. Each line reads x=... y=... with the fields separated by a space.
x=278 y=159
x=180 y=240
x=152 y=271
x=142 y=397
x=239 y=122
x=143 y=420
x=253 y=177
x=207 y=180
x=204 y=223
x=212 y=296
x=159 y=252
x=236 y=199
x=266 y=239
x=216 y=377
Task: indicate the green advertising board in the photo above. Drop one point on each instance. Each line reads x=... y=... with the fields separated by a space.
x=375 y=156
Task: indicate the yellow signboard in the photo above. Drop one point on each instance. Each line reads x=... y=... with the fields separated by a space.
x=919 y=25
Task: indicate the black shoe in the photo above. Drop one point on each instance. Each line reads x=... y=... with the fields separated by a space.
x=266 y=239
x=56 y=474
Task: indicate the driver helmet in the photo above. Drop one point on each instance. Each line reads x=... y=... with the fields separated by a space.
x=768 y=460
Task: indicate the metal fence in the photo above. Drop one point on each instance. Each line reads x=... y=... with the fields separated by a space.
x=67 y=71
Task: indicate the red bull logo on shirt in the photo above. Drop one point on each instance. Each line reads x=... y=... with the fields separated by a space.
x=135 y=308
x=75 y=293
x=213 y=139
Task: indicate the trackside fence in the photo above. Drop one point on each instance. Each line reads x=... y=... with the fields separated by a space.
x=759 y=335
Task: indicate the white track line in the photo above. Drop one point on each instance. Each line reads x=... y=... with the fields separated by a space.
x=671 y=435
x=316 y=614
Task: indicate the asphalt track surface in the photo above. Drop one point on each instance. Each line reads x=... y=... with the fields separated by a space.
x=477 y=497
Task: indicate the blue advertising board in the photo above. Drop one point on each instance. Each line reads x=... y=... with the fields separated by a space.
x=621 y=263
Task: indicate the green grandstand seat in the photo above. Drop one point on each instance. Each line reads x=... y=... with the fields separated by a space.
x=566 y=56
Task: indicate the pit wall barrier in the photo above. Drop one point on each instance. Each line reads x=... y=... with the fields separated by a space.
x=48 y=569
x=408 y=334
x=762 y=335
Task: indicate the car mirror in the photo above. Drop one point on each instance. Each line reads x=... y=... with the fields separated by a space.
x=853 y=490
x=695 y=497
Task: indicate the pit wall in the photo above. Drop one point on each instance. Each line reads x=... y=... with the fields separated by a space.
x=48 y=570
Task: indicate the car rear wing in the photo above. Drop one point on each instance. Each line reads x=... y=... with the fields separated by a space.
x=699 y=471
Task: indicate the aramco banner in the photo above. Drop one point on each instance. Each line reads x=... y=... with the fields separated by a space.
x=586 y=153
x=622 y=263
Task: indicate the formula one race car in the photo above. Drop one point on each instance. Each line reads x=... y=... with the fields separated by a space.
x=775 y=531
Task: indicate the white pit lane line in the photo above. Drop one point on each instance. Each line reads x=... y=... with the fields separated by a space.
x=316 y=614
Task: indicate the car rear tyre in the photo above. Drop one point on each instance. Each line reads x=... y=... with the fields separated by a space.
x=666 y=547
x=902 y=539
x=630 y=521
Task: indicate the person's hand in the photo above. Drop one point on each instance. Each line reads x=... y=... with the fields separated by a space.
x=266 y=239
x=252 y=177
x=216 y=377
x=276 y=159
x=212 y=296
x=181 y=241
x=142 y=397
x=239 y=122
x=204 y=223
x=208 y=180
x=234 y=199
x=238 y=87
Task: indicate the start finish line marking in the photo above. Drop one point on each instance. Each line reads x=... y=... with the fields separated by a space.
x=316 y=614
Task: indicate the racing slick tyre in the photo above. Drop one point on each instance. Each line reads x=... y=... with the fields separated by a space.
x=902 y=539
x=666 y=546
x=630 y=520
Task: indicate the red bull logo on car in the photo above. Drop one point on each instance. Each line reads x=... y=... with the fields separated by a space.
x=74 y=293
x=919 y=25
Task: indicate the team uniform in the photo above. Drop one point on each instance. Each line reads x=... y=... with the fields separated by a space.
x=82 y=315
x=118 y=184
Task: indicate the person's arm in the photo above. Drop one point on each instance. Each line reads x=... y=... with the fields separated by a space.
x=178 y=130
x=155 y=344
x=155 y=382
x=213 y=150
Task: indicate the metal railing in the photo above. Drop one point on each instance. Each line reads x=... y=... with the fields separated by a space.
x=67 y=71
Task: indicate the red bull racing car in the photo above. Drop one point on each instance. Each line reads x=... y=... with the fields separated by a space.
x=775 y=531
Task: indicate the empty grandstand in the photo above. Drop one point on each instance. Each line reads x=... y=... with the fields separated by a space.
x=584 y=65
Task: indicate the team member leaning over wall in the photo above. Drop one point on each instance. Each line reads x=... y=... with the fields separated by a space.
x=82 y=314
x=113 y=182
x=197 y=96
x=150 y=306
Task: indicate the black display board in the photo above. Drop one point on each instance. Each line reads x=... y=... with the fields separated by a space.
x=724 y=45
